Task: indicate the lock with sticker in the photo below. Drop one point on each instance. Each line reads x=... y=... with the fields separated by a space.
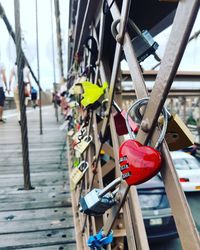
x=78 y=173
x=120 y=123
x=178 y=135
x=83 y=144
x=139 y=163
x=97 y=201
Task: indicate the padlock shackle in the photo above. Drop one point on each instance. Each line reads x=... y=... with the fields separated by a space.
x=110 y=186
x=117 y=107
x=87 y=138
x=130 y=21
x=85 y=168
x=136 y=106
x=134 y=26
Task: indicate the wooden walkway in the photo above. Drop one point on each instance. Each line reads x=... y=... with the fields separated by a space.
x=40 y=218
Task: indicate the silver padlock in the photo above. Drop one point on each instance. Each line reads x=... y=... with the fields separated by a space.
x=97 y=201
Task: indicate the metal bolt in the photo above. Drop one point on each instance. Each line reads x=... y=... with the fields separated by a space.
x=145 y=125
x=120 y=225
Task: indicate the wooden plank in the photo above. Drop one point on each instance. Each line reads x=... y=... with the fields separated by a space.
x=35 y=168
x=36 y=180
x=40 y=218
x=15 y=227
x=54 y=247
x=34 y=205
x=46 y=189
x=29 y=196
x=36 y=239
x=24 y=215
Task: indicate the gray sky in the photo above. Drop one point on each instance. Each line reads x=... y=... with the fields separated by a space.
x=191 y=59
x=28 y=29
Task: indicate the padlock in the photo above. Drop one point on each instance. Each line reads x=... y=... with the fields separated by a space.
x=99 y=240
x=83 y=144
x=78 y=173
x=79 y=135
x=97 y=201
x=139 y=163
x=92 y=92
x=70 y=132
x=76 y=88
x=178 y=135
x=143 y=44
x=73 y=104
x=120 y=123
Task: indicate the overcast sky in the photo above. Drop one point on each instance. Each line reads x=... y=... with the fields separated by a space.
x=191 y=59
x=28 y=30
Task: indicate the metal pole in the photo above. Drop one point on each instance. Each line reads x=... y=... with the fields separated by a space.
x=24 y=136
x=54 y=66
x=38 y=67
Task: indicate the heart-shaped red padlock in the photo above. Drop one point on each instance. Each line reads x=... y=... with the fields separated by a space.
x=138 y=163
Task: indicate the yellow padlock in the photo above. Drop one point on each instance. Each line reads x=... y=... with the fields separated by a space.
x=178 y=135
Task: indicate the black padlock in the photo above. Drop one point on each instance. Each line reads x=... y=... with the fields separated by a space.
x=143 y=43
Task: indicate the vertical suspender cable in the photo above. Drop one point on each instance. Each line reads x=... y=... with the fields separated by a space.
x=38 y=66
x=54 y=66
x=59 y=39
x=20 y=65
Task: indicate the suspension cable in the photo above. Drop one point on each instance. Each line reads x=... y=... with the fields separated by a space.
x=24 y=130
x=38 y=65
x=54 y=66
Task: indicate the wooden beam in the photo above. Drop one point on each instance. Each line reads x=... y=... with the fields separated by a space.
x=150 y=75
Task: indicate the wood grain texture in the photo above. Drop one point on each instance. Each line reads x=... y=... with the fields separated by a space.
x=40 y=218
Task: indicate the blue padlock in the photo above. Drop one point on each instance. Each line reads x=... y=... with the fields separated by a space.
x=99 y=240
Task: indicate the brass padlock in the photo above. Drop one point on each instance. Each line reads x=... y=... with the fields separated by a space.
x=78 y=173
x=178 y=135
x=76 y=88
x=84 y=143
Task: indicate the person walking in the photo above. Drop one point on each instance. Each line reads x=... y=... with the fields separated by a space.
x=15 y=88
x=27 y=83
x=33 y=97
x=2 y=94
